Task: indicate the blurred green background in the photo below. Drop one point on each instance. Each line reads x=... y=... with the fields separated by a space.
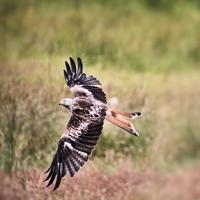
x=146 y=54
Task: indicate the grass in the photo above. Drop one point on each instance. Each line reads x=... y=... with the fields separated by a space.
x=169 y=116
x=91 y=183
x=140 y=39
x=25 y=126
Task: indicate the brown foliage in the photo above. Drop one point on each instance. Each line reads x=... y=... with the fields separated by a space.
x=90 y=183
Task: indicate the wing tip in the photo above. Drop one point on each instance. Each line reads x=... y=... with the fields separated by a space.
x=74 y=74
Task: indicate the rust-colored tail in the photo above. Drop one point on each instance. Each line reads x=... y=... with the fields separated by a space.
x=122 y=120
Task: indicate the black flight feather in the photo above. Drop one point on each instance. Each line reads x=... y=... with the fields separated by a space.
x=77 y=77
x=80 y=67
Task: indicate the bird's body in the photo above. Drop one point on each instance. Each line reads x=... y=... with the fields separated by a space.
x=88 y=110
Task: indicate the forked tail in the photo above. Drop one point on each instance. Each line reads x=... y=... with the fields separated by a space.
x=123 y=120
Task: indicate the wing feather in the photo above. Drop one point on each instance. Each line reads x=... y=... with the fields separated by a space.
x=59 y=177
x=73 y=65
x=80 y=67
x=73 y=152
x=68 y=72
x=80 y=84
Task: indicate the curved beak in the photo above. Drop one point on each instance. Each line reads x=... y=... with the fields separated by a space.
x=61 y=103
x=66 y=102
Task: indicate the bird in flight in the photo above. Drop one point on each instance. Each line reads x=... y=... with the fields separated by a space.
x=88 y=110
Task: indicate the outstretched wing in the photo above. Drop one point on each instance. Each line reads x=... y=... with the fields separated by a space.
x=74 y=147
x=80 y=84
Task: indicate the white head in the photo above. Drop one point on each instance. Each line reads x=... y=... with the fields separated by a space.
x=66 y=102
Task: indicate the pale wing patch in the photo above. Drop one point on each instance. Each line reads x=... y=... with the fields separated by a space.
x=78 y=90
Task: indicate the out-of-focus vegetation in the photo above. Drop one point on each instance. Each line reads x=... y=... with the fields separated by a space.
x=149 y=36
x=147 y=56
x=28 y=123
x=124 y=183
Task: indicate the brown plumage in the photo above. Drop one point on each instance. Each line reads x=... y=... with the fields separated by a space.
x=88 y=110
x=123 y=120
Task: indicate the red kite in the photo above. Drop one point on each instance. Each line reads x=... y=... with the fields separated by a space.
x=88 y=110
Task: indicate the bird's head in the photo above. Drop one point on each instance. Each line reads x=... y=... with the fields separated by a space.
x=66 y=102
